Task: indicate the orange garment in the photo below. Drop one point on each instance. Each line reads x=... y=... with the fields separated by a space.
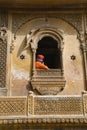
x=39 y=65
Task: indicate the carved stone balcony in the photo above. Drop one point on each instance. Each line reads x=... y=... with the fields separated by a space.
x=48 y=82
x=65 y=109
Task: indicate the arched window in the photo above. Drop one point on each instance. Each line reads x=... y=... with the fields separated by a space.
x=49 y=48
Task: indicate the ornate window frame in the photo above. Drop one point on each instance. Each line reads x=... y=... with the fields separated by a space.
x=41 y=77
x=36 y=35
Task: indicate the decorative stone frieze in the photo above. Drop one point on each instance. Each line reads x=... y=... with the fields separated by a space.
x=63 y=106
x=49 y=119
x=19 y=18
x=56 y=105
x=44 y=109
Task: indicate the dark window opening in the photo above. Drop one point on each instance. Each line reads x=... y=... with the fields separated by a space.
x=49 y=48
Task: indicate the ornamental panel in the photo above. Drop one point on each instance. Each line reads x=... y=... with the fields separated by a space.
x=12 y=106
x=3 y=56
x=19 y=18
x=55 y=105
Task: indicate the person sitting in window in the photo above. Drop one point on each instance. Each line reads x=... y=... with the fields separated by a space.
x=40 y=62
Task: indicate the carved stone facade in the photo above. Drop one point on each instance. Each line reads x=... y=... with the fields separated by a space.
x=55 y=97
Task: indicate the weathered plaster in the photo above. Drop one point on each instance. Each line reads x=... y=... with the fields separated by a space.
x=73 y=69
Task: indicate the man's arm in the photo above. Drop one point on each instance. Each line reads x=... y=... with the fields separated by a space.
x=41 y=66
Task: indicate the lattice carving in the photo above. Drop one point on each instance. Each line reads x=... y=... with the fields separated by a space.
x=54 y=105
x=73 y=19
x=12 y=106
x=3 y=55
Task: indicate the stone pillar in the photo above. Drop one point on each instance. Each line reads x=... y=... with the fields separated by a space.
x=83 y=40
x=84 y=54
x=34 y=59
x=61 y=56
x=33 y=47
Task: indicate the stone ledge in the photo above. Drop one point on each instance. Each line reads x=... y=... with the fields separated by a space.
x=48 y=119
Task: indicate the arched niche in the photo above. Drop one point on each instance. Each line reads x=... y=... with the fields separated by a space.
x=49 y=47
x=35 y=30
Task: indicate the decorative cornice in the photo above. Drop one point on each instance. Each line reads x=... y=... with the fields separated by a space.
x=43 y=6
x=44 y=120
